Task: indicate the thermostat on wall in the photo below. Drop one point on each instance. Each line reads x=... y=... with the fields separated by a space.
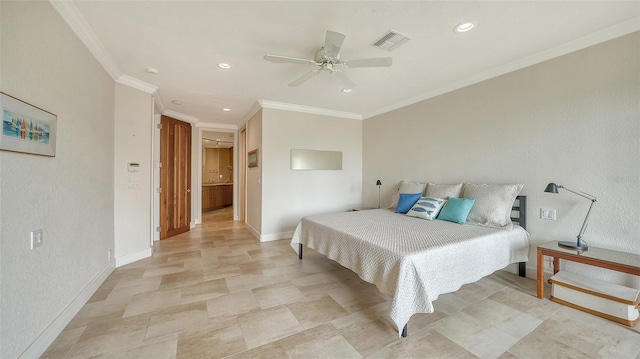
x=133 y=167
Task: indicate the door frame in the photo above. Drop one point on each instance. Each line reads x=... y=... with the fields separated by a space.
x=196 y=195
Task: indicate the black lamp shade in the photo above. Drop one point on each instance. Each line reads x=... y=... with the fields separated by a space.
x=551 y=188
x=378 y=183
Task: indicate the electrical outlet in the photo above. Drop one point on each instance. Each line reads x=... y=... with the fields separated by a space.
x=109 y=255
x=36 y=238
x=548 y=213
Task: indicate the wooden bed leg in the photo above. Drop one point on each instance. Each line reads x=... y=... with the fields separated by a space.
x=300 y=250
x=522 y=269
x=404 y=331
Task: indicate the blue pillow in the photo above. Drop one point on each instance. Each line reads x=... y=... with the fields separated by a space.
x=456 y=210
x=406 y=201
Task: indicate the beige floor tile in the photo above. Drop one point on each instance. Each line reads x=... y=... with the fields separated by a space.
x=165 y=268
x=245 y=282
x=232 y=305
x=311 y=313
x=268 y=325
x=148 y=302
x=354 y=298
x=211 y=343
x=181 y=279
x=158 y=348
x=268 y=351
x=203 y=291
x=63 y=343
x=102 y=344
x=177 y=319
x=221 y=271
x=320 y=342
x=538 y=345
x=370 y=337
x=277 y=294
x=128 y=288
x=423 y=344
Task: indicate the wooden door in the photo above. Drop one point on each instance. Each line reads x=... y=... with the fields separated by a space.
x=175 y=177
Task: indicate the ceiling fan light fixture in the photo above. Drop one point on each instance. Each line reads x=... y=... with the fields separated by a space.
x=224 y=66
x=464 y=26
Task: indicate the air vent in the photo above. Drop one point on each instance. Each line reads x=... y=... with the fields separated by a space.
x=391 y=40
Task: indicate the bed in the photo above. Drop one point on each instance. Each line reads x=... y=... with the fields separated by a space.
x=410 y=259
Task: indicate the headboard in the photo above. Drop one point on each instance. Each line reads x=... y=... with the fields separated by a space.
x=520 y=210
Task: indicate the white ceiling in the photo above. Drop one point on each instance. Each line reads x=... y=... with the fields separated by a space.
x=185 y=40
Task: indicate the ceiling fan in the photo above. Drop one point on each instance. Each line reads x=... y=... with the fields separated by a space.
x=327 y=59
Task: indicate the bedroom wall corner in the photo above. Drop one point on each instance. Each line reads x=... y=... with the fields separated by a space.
x=573 y=120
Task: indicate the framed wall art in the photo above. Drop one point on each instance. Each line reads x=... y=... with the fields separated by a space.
x=26 y=128
x=252 y=158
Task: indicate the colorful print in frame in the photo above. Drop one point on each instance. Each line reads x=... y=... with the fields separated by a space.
x=26 y=128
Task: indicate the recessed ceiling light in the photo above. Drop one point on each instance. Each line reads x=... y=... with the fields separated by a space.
x=226 y=109
x=152 y=70
x=177 y=102
x=346 y=90
x=465 y=26
x=224 y=65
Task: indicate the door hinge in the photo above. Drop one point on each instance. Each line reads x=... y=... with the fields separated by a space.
x=159 y=164
x=159 y=126
x=158 y=229
x=159 y=190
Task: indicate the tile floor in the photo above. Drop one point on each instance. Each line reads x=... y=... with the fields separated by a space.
x=216 y=292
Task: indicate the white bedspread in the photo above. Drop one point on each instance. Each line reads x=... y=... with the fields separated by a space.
x=412 y=260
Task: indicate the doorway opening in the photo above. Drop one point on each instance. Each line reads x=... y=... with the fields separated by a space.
x=217 y=171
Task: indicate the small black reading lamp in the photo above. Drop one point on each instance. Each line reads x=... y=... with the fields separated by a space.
x=553 y=188
x=378 y=183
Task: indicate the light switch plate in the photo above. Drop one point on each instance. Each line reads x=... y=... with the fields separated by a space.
x=548 y=213
x=36 y=238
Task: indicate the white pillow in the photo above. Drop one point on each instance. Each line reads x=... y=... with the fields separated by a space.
x=427 y=208
x=407 y=187
x=493 y=204
x=444 y=190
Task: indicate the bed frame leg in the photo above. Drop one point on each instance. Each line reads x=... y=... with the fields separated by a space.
x=522 y=269
x=300 y=250
x=404 y=331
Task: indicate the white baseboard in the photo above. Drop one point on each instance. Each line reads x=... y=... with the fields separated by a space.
x=130 y=258
x=252 y=230
x=44 y=340
x=276 y=236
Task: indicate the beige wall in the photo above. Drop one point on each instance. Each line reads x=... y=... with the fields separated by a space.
x=288 y=195
x=69 y=196
x=573 y=120
x=132 y=190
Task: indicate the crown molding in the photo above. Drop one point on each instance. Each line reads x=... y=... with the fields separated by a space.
x=580 y=43
x=307 y=109
x=70 y=13
x=137 y=84
x=159 y=101
x=180 y=116
x=216 y=126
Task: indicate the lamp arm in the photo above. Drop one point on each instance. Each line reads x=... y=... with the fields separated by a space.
x=581 y=194
x=584 y=224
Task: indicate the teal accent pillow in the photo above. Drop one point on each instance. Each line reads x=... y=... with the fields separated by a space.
x=456 y=210
x=406 y=201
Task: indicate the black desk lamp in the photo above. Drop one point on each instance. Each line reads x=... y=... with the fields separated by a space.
x=378 y=183
x=553 y=188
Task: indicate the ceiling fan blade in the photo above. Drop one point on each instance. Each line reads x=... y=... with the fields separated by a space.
x=343 y=79
x=288 y=60
x=304 y=78
x=371 y=62
x=332 y=43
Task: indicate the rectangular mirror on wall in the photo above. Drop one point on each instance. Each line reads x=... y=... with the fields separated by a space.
x=316 y=160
